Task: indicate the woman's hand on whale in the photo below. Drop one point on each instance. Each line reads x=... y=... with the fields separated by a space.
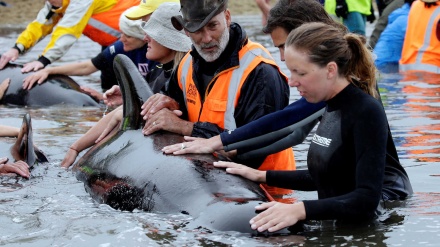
x=195 y=145
x=69 y=158
x=38 y=77
x=9 y=56
x=242 y=170
x=32 y=66
x=4 y=86
x=277 y=216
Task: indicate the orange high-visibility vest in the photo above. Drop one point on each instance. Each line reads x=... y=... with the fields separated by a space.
x=103 y=27
x=421 y=48
x=219 y=105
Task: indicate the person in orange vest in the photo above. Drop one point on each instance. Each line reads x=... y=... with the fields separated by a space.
x=421 y=48
x=66 y=20
x=225 y=82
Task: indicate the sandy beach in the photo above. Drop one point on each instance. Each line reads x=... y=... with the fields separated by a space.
x=18 y=13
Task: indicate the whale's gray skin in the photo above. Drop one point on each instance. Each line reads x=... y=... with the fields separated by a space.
x=23 y=148
x=128 y=170
x=58 y=89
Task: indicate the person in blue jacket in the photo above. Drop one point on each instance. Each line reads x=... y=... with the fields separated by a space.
x=388 y=49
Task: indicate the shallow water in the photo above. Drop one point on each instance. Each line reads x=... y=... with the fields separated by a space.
x=53 y=209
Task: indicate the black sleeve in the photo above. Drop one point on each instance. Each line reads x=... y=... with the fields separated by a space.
x=294 y=138
x=100 y=62
x=268 y=129
x=107 y=71
x=296 y=180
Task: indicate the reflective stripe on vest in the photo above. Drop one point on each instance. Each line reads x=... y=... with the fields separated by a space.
x=104 y=27
x=186 y=63
x=245 y=61
x=418 y=64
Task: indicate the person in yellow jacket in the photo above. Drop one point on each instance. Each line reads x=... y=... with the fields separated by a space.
x=67 y=20
x=421 y=47
x=225 y=82
x=353 y=13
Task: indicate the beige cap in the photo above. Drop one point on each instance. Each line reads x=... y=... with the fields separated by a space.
x=146 y=7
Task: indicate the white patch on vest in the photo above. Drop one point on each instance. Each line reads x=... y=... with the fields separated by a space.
x=322 y=141
x=143 y=68
x=112 y=49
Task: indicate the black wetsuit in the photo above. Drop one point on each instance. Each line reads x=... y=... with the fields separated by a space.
x=352 y=161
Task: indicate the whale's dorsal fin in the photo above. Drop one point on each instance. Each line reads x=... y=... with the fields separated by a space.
x=135 y=91
x=24 y=148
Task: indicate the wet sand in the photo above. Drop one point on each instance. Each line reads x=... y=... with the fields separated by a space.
x=19 y=13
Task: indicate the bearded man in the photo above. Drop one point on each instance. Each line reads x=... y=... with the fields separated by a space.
x=224 y=82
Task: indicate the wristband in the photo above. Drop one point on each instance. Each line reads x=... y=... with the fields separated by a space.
x=17 y=48
x=42 y=59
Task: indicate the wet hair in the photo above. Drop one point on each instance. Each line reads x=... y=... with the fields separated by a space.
x=325 y=43
x=290 y=14
x=177 y=57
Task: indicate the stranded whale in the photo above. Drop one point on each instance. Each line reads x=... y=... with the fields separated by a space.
x=128 y=170
x=58 y=89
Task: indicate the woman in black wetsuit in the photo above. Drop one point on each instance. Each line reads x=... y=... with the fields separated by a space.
x=348 y=163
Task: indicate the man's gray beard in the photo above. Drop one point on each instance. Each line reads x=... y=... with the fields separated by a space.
x=212 y=56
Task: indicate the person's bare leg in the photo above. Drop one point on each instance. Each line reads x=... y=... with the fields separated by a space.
x=265 y=7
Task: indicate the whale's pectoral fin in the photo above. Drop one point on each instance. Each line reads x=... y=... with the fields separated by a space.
x=24 y=149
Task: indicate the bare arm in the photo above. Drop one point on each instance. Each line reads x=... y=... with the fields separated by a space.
x=81 y=68
x=9 y=131
x=88 y=139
